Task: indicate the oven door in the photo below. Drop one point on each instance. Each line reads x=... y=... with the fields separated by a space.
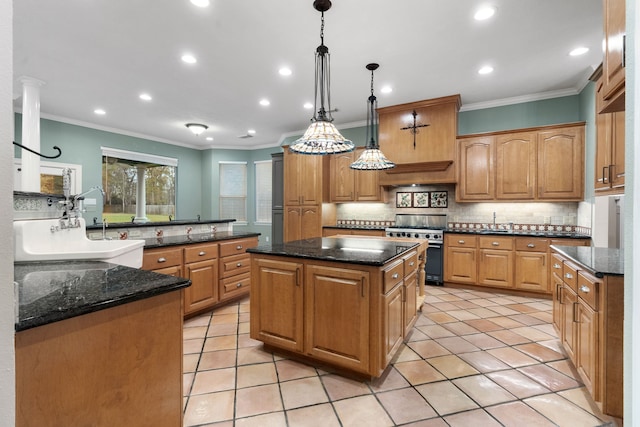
x=434 y=265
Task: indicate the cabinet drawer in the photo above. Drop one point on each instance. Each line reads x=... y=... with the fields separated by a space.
x=232 y=286
x=232 y=265
x=392 y=276
x=496 y=242
x=410 y=263
x=570 y=275
x=154 y=259
x=556 y=265
x=460 y=240
x=531 y=244
x=194 y=253
x=234 y=247
x=588 y=289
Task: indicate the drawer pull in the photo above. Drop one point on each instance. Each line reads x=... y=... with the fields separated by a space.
x=585 y=289
x=202 y=253
x=162 y=259
x=239 y=247
x=531 y=245
x=461 y=242
x=239 y=285
x=495 y=243
x=411 y=264
x=394 y=276
x=556 y=266
x=568 y=276
x=239 y=264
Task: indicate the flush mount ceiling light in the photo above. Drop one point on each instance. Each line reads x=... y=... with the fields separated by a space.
x=99 y=111
x=579 y=51
x=485 y=70
x=321 y=136
x=145 y=97
x=189 y=59
x=200 y=3
x=372 y=158
x=484 y=13
x=196 y=128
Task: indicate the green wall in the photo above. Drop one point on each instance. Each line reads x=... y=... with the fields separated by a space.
x=588 y=114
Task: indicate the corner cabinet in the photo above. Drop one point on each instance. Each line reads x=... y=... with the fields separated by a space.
x=534 y=164
x=349 y=185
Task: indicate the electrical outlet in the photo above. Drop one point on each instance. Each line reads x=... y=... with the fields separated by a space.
x=266 y=238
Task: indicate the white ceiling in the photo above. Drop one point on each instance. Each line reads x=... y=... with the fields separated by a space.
x=104 y=53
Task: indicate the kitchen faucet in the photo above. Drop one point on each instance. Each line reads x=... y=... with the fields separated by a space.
x=494 y=220
x=71 y=203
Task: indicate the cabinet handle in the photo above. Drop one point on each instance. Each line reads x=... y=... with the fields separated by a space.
x=394 y=276
x=297 y=276
x=461 y=242
x=568 y=275
x=239 y=247
x=362 y=286
x=604 y=180
x=585 y=289
x=162 y=259
x=611 y=170
x=575 y=311
x=239 y=264
x=202 y=253
x=411 y=264
x=495 y=243
x=556 y=266
x=531 y=245
x=559 y=293
x=238 y=285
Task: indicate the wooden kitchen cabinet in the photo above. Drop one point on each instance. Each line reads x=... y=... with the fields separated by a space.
x=201 y=267
x=610 y=148
x=613 y=65
x=516 y=166
x=475 y=167
x=495 y=261
x=303 y=175
x=302 y=222
x=349 y=185
x=334 y=231
x=460 y=262
x=561 y=164
x=531 y=270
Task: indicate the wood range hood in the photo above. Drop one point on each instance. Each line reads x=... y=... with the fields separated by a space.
x=420 y=138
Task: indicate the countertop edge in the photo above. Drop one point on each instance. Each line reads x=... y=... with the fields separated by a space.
x=98 y=226
x=598 y=273
x=160 y=242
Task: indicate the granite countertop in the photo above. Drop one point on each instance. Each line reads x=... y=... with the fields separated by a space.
x=351 y=250
x=543 y=234
x=185 y=239
x=356 y=227
x=52 y=291
x=98 y=226
x=598 y=261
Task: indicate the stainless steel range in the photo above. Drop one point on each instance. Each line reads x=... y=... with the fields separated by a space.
x=424 y=226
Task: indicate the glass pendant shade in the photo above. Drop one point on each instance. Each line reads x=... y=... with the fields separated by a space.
x=322 y=137
x=372 y=158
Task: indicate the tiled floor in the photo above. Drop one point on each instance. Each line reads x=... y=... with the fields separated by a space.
x=473 y=359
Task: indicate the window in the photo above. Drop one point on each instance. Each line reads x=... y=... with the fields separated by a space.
x=121 y=173
x=233 y=191
x=263 y=191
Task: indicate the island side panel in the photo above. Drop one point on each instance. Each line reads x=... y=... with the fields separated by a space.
x=111 y=367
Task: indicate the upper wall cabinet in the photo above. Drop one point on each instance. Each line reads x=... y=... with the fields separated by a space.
x=349 y=185
x=613 y=91
x=526 y=165
x=303 y=179
x=419 y=138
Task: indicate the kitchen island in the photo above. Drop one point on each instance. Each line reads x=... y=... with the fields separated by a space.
x=97 y=344
x=346 y=302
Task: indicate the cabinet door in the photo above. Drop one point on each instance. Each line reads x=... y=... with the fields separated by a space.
x=203 y=292
x=337 y=316
x=302 y=179
x=170 y=271
x=569 y=301
x=410 y=307
x=476 y=179
x=531 y=271
x=495 y=268
x=557 y=304
x=561 y=164
x=342 y=178
x=311 y=222
x=393 y=323
x=587 y=353
x=292 y=224
x=613 y=63
x=368 y=186
x=516 y=166
x=460 y=265
x=617 y=150
x=277 y=303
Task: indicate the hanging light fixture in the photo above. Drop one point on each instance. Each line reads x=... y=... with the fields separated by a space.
x=196 y=128
x=372 y=158
x=321 y=136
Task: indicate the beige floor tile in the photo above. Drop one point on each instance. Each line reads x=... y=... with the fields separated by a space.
x=452 y=366
x=483 y=361
x=539 y=352
x=194 y=332
x=517 y=414
x=418 y=372
x=217 y=359
x=258 y=374
x=428 y=348
x=501 y=301
x=406 y=405
x=512 y=357
x=187 y=382
x=477 y=417
x=405 y=354
x=566 y=367
x=506 y=322
x=483 y=302
x=303 y=392
x=554 y=344
x=313 y=416
x=190 y=362
x=445 y=397
x=456 y=345
x=226 y=342
x=422 y=319
x=339 y=387
x=517 y=383
x=483 y=391
x=432 y=422
x=450 y=297
x=244 y=317
x=532 y=333
x=547 y=328
x=220 y=319
x=463 y=314
x=460 y=328
x=484 y=341
x=484 y=325
x=436 y=331
x=227 y=309
x=249 y=355
x=258 y=400
x=440 y=317
x=244 y=328
x=562 y=412
x=549 y=377
x=222 y=329
x=444 y=306
x=192 y=346
x=508 y=337
x=292 y=370
x=484 y=313
x=213 y=381
x=362 y=411
x=391 y=379
x=465 y=304
x=545 y=316
x=582 y=398
x=274 y=419
x=500 y=309
x=522 y=308
x=416 y=335
x=202 y=320
x=209 y=408
x=527 y=319
x=244 y=340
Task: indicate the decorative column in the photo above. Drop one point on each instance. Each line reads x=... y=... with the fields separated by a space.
x=141 y=196
x=30 y=133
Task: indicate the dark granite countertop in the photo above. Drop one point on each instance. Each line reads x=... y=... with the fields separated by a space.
x=98 y=226
x=185 y=239
x=356 y=227
x=598 y=261
x=345 y=249
x=53 y=291
x=542 y=234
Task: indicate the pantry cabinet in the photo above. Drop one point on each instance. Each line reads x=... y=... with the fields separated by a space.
x=349 y=185
x=614 y=45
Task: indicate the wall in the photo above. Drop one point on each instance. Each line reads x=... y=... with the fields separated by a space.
x=7 y=297
x=588 y=114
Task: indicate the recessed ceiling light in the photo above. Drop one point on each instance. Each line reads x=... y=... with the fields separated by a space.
x=579 y=51
x=308 y=105
x=285 y=71
x=251 y=132
x=485 y=70
x=484 y=13
x=209 y=138
x=189 y=59
x=145 y=97
x=265 y=102
x=200 y=3
x=386 y=89
x=100 y=111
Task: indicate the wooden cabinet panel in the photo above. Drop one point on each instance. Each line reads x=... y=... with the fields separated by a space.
x=392 y=275
x=561 y=163
x=237 y=246
x=569 y=302
x=302 y=222
x=234 y=286
x=277 y=285
x=342 y=178
x=337 y=299
x=495 y=268
x=233 y=265
x=410 y=306
x=556 y=283
x=460 y=265
x=194 y=253
x=587 y=354
x=610 y=147
x=302 y=179
x=531 y=271
x=515 y=166
x=203 y=292
x=393 y=323
x=176 y=271
x=154 y=259
x=614 y=56
x=476 y=169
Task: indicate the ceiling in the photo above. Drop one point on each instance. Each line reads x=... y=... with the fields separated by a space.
x=104 y=53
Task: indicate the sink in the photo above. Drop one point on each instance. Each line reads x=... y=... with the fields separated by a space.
x=34 y=241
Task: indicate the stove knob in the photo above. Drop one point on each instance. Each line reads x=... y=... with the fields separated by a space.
x=416 y=235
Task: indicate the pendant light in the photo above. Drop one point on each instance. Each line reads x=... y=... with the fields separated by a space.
x=321 y=136
x=372 y=158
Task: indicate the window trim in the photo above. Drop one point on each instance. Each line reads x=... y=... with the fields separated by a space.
x=256 y=162
x=139 y=157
